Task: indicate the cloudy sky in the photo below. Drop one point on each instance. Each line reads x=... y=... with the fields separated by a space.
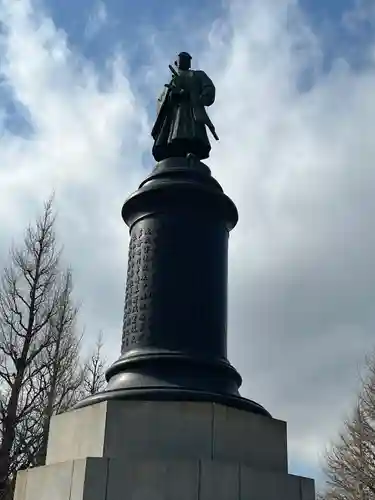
x=295 y=112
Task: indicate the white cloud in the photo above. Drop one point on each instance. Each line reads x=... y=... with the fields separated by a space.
x=88 y=137
x=298 y=165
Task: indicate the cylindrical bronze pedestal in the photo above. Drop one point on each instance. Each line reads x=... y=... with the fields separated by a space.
x=174 y=343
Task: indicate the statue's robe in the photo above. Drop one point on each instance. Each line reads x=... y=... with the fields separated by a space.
x=180 y=126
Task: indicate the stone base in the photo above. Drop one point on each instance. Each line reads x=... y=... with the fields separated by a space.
x=164 y=451
x=162 y=430
x=112 y=479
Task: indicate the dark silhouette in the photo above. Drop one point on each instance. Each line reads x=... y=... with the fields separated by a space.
x=180 y=126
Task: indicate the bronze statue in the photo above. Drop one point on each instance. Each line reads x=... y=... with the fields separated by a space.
x=180 y=126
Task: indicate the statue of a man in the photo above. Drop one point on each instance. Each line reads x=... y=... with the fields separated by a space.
x=180 y=126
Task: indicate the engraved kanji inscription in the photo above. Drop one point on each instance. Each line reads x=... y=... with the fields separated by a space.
x=140 y=287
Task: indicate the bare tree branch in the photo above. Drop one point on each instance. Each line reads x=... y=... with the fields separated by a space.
x=29 y=293
x=41 y=373
x=94 y=370
x=350 y=461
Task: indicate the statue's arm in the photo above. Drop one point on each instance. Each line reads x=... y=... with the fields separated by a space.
x=207 y=91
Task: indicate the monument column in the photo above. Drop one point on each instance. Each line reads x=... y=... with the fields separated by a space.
x=171 y=423
x=174 y=343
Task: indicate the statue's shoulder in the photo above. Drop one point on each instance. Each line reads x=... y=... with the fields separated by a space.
x=202 y=77
x=199 y=73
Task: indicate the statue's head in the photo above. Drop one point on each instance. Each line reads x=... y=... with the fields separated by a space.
x=183 y=61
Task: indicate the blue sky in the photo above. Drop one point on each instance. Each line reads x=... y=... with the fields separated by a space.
x=128 y=19
x=295 y=112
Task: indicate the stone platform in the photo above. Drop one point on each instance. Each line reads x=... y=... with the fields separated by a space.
x=164 y=451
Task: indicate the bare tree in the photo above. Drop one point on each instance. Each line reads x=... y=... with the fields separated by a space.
x=350 y=461
x=29 y=299
x=40 y=369
x=41 y=372
x=60 y=371
x=64 y=378
x=94 y=370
